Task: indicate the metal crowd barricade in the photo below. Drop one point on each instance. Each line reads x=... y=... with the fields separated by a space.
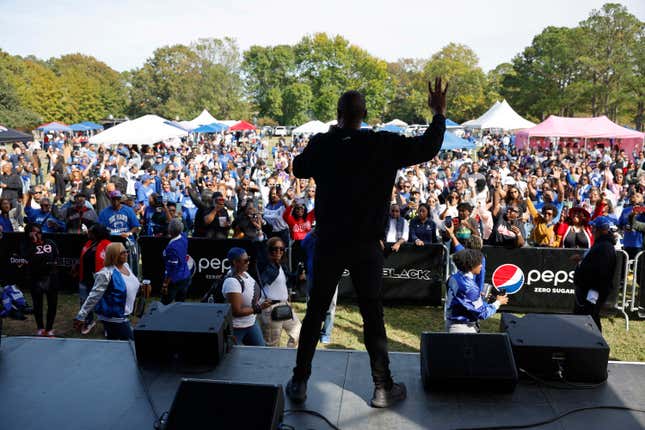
x=623 y=302
x=634 y=305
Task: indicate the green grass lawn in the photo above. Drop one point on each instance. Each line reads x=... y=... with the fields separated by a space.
x=404 y=324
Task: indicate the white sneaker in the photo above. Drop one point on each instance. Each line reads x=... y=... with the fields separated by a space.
x=88 y=328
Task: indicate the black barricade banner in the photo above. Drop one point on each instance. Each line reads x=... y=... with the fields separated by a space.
x=415 y=273
x=69 y=251
x=209 y=255
x=538 y=279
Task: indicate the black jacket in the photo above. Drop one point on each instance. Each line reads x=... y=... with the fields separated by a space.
x=355 y=169
x=13 y=191
x=596 y=270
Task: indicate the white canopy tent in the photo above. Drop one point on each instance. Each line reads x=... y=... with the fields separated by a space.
x=203 y=118
x=501 y=116
x=146 y=130
x=397 y=123
x=311 y=127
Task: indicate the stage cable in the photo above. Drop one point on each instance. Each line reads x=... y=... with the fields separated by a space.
x=314 y=413
x=554 y=419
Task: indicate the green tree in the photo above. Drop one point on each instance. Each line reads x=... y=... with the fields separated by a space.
x=179 y=81
x=545 y=76
x=268 y=71
x=408 y=103
x=297 y=103
x=610 y=44
x=458 y=64
x=330 y=66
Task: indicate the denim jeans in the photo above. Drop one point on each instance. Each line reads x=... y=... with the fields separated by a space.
x=118 y=330
x=328 y=324
x=83 y=292
x=250 y=336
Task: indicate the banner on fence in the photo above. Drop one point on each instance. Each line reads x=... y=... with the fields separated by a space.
x=539 y=279
x=415 y=273
x=209 y=255
x=12 y=247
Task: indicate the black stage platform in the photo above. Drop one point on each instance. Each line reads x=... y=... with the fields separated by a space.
x=91 y=384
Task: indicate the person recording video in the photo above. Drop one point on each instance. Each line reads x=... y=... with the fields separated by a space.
x=465 y=305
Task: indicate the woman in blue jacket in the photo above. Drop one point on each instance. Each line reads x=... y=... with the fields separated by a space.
x=112 y=296
x=177 y=279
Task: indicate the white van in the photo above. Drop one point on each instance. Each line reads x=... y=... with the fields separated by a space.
x=280 y=130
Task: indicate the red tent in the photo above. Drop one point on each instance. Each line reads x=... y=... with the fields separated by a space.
x=242 y=126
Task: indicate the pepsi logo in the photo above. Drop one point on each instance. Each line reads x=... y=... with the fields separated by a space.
x=508 y=276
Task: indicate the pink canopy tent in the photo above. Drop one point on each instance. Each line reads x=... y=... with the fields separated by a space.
x=601 y=129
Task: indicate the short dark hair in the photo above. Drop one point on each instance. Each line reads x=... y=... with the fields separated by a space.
x=550 y=207
x=467 y=259
x=351 y=105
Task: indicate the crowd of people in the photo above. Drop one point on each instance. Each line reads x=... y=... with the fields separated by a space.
x=236 y=185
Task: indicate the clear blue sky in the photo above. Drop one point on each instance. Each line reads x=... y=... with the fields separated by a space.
x=124 y=33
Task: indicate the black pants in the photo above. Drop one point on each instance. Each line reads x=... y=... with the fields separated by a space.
x=177 y=291
x=365 y=264
x=45 y=287
x=589 y=309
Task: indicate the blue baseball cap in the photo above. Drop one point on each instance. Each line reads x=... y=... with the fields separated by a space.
x=235 y=253
x=602 y=223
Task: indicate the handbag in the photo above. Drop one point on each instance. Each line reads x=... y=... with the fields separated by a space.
x=281 y=313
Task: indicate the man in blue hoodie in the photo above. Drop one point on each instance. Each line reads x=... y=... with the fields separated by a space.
x=177 y=277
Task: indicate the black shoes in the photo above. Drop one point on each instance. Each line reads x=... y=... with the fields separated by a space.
x=384 y=398
x=296 y=390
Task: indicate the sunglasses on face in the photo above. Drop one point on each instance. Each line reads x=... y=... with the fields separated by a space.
x=276 y=248
x=126 y=252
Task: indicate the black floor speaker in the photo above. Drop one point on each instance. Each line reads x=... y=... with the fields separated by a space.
x=189 y=333
x=205 y=404
x=472 y=362
x=558 y=347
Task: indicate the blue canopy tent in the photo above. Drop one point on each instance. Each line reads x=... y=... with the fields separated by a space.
x=79 y=127
x=92 y=125
x=54 y=126
x=365 y=126
x=211 y=128
x=451 y=142
x=451 y=123
x=393 y=129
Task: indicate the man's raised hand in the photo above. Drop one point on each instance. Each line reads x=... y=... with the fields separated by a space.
x=437 y=97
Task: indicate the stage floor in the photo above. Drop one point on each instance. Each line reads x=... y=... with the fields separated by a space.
x=92 y=384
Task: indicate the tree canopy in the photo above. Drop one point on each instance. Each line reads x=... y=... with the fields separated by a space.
x=595 y=68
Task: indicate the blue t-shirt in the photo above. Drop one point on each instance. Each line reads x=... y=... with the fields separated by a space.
x=144 y=191
x=121 y=221
x=37 y=216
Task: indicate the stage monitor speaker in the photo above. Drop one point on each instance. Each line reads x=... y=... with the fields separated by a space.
x=205 y=404
x=469 y=361
x=558 y=347
x=190 y=333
